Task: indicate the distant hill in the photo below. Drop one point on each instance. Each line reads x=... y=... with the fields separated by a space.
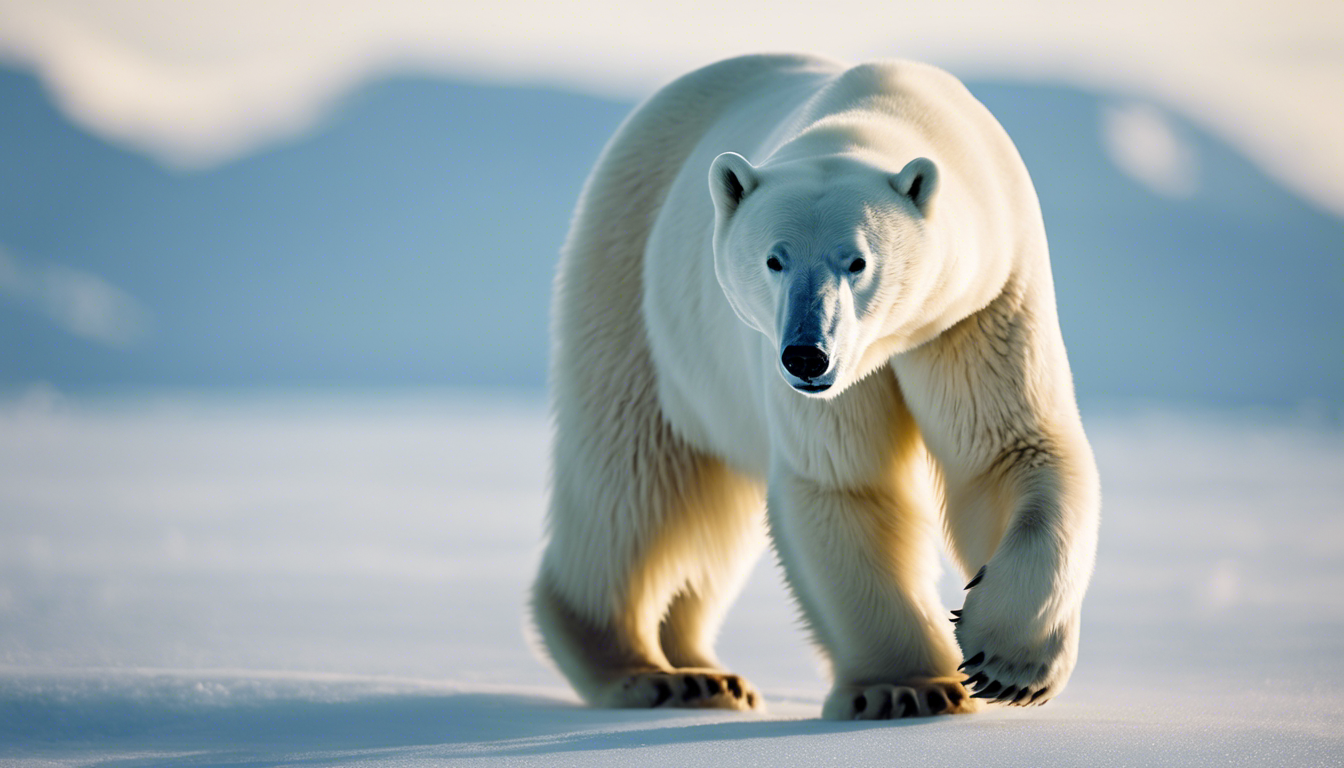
x=1233 y=295
x=411 y=240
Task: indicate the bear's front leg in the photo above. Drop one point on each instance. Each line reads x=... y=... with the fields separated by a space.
x=861 y=562
x=994 y=402
x=1019 y=626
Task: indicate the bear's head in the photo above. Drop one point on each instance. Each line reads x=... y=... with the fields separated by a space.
x=827 y=257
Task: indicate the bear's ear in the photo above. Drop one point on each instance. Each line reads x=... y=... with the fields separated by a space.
x=731 y=179
x=918 y=180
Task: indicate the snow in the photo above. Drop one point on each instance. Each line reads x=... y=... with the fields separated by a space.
x=76 y=300
x=1143 y=144
x=336 y=579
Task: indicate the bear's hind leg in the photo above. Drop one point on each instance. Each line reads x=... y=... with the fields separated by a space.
x=692 y=621
x=609 y=666
x=637 y=575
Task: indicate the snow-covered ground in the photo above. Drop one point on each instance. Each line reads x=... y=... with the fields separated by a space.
x=329 y=580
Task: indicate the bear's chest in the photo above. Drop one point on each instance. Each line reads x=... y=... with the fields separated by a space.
x=847 y=441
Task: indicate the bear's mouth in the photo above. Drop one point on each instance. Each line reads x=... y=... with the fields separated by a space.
x=811 y=387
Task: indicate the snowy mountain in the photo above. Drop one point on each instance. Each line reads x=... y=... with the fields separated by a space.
x=412 y=238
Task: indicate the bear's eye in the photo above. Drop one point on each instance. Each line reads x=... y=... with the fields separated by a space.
x=774 y=264
x=857 y=265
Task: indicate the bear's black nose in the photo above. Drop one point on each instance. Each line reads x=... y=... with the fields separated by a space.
x=804 y=362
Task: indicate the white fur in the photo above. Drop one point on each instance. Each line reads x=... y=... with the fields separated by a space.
x=877 y=214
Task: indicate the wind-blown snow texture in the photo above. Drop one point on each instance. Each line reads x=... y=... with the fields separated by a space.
x=341 y=582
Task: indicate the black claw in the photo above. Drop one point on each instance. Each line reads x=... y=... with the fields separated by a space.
x=954 y=620
x=692 y=690
x=1037 y=695
x=860 y=703
x=937 y=701
x=664 y=693
x=713 y=686
x=1007 y=693
x=735 y=687
x=1022 y=694
x=979 y=678
x=988 y=691
x=884 y=712
x=974 y=661
x=957 y=614
x=980 y=574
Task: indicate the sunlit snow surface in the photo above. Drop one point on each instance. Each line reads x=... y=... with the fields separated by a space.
x=340 y=580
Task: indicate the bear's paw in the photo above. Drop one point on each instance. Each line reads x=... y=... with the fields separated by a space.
x=893 y=701
x=685 y=688
x=1014 y=654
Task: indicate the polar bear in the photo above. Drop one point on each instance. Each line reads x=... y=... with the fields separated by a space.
x=849 y=337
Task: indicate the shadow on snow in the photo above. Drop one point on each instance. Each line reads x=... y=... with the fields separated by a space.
x=454 y=725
